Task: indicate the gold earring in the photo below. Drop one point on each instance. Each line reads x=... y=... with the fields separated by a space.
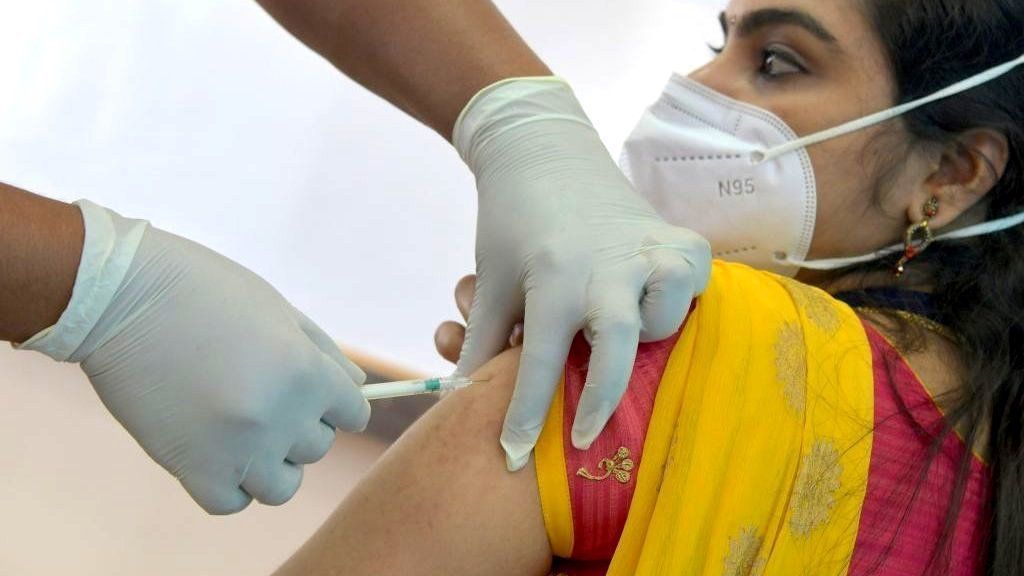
x=918 y=237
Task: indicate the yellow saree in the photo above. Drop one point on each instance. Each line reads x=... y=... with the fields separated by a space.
x=756 y=456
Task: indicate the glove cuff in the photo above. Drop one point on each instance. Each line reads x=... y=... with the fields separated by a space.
x=509 y=104
x=111 y=242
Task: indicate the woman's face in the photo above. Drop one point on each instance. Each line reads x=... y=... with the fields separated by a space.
x=817 y=65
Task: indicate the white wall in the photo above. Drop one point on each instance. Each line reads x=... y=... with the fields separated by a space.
x=206 y=118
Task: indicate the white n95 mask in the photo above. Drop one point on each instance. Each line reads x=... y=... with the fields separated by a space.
x=739 y=175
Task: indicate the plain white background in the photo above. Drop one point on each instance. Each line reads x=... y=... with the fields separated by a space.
x=206 y=118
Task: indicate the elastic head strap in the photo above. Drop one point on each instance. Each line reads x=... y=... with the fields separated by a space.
x=879 y=117
x=982 y=229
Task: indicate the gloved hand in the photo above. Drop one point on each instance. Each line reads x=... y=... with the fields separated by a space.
x=217 y=377
x=564 y=242
x=451 y=335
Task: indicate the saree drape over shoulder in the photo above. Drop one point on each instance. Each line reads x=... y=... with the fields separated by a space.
x=776 y=435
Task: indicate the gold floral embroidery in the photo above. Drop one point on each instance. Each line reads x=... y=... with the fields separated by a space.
x=791 y=366
x=744 y=557
x=814 y=495
x=815 y=305
x=618 y=466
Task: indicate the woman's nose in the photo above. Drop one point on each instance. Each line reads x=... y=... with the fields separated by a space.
x=718 y=76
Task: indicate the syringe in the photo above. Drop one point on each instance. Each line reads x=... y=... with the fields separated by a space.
x=414 y=387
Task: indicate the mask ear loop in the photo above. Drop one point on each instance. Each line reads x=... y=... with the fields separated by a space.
x=761 y=156
x=982 y=229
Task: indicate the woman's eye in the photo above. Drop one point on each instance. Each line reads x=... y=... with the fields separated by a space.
x=775 y=63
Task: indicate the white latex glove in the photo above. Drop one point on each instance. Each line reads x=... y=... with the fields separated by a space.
x=565 y=242
x=217 y=377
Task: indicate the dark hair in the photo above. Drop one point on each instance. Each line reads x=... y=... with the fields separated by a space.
x=978 y=284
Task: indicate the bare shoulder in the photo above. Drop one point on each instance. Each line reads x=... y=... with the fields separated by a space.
x=440 y=500
x=490 y=397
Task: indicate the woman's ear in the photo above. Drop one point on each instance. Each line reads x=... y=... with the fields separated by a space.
x=967 y=171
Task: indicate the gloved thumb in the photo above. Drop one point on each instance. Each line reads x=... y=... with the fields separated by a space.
x=328 y=346
x=490 y=321
x=348 y=410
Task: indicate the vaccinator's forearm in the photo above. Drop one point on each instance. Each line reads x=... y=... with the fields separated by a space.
x=40 y=246
x=424 y=56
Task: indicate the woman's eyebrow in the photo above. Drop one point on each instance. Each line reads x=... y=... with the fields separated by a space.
x=760 y=19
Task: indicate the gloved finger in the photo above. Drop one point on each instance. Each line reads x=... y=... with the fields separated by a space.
x=547 y=337
x=490 y=321
x=328 y=346
x=348 y=410
x=688 y=245
x=667 y=295
x=464 y=291
x=272 y=483
x=448 y=340
x=614 y=334
x=313 y=445
x=219 y=497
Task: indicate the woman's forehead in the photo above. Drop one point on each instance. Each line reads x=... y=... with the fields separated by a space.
x=841 y=24
x=841 y=18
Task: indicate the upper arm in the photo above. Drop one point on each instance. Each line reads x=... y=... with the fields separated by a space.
x=440 y=501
